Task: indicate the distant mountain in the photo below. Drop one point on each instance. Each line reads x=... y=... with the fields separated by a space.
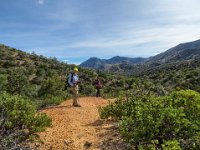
x=118 y=60
x=96 y=63
x=123 y=65
x=181 y=52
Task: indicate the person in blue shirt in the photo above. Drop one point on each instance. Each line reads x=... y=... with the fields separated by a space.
x=73 y=81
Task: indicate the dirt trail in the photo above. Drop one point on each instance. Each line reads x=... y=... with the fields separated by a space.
x=78 y=128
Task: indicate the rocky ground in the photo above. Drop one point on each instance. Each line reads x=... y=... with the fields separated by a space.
x=80 y=128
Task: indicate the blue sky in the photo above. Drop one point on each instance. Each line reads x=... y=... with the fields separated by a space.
x=74 y=30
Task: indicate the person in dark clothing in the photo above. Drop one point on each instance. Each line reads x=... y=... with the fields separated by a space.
x=98 y=87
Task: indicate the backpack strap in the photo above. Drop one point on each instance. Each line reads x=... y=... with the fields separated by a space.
x=72 y=75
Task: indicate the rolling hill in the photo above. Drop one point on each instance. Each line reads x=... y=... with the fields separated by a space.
x=179 y=54
x=110 y=64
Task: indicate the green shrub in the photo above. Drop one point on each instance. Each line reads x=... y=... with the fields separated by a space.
x=49 y=101
x=17 y=82
x=114 y=110
x=88 y=90
x=19 y=120
x=146 y=120
x=51 y=86
x=171 y=145
x=3 y=82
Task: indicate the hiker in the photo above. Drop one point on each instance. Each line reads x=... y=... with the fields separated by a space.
x=73 y=81
x=98 y=86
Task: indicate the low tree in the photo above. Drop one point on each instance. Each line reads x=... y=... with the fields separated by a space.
x=19 y=120
x=17 y=81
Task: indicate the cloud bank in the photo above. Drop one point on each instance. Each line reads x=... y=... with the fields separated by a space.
x=76 y=30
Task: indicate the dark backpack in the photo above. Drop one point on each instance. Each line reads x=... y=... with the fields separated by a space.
x=69 y=77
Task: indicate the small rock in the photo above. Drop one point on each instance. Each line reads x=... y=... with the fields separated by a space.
x=115 y=134
x=87 y=144
x=37 y=144
x=67 y=142
x=51 y=147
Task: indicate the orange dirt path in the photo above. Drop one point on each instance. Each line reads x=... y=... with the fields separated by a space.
x=72 y=127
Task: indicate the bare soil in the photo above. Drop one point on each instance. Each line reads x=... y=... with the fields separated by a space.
x=80 y=128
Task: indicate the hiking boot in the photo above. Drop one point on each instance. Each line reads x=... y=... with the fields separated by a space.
x=77 y=105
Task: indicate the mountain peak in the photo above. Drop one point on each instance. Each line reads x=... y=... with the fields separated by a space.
x=182 y=52
x=97 y=63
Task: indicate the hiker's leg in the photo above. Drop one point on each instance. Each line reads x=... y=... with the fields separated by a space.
x=77 y=95
x=97 y=95
x=74 y=95
x=98 y=92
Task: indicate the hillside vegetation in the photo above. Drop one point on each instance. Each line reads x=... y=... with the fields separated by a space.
x=29 y=82
x=156 y=108
x=42 y=79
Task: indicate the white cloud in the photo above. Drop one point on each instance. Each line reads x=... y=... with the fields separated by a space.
x=163 y=34
x=40 y=2
x=121 y=27
x=132 y=42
